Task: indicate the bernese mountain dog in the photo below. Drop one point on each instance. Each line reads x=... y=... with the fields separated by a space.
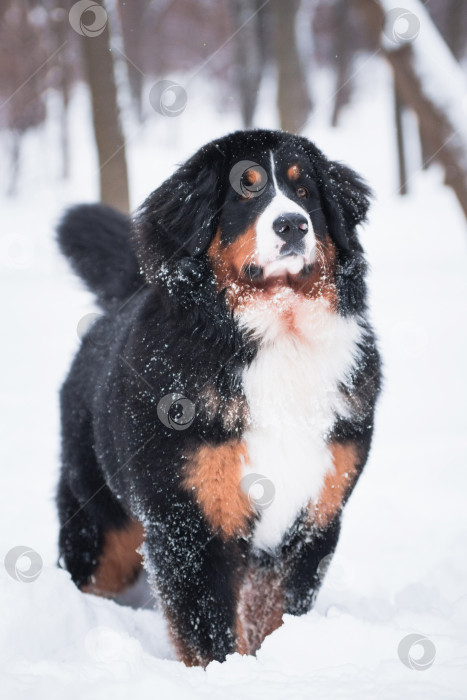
x=220 y=411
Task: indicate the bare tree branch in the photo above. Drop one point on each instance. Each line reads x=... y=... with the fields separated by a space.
x=440 y=115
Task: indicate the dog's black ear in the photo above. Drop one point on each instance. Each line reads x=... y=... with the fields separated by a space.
x=345 y=200
x=179 y=219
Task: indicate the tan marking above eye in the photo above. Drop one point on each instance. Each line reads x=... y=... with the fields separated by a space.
x=251 y=177
x=294 y=172
x=260 y=607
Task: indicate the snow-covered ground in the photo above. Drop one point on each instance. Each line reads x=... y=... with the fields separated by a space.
x=401 y=564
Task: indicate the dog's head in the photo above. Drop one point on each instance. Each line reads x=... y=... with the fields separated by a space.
x=259 y=205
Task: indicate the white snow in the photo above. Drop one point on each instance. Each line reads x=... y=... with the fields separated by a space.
x=400 y=566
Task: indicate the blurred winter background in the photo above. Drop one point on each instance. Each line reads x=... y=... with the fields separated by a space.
x=101 y=101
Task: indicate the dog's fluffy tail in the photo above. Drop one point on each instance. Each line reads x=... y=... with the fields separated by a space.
x=96 y=239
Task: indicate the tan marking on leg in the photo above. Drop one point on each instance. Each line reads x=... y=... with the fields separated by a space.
x=228 y=262
x=213 y=476
x=337 y=483
x=260 y=608
x=184 y=651
x=119 y=563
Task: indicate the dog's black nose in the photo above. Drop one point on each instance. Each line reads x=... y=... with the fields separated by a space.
x=289 y=226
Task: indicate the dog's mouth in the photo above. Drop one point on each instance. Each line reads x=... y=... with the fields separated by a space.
x=283 y=271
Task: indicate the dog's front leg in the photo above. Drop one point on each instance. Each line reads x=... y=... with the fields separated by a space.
x=305 y=560
x=195 y=574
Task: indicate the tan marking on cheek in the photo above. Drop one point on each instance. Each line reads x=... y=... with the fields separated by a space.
x=337 y=483
x=260 y=608
x=228 y=261
x=251 y=177
x=119 y=562
x=221 y=268
x=213 y=477
x=294 y=172
x=322 y=282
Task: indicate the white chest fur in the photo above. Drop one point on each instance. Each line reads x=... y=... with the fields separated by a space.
x=292 y=392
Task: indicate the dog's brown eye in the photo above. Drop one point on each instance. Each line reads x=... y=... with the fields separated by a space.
x=302 y=192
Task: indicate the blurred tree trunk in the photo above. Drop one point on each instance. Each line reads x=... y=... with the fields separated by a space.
x=106 y=119
x=398 y=110
x=343 y=56
x=15 y=150
x=426 y=153
x=293 y=99
x=248 y=18
x=455 y=29
x=437 y=124
x=23 y=86
x=64 y=126
x=61 y=28
x=132 y=20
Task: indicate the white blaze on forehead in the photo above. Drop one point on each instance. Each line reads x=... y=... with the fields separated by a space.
x=268 y=243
